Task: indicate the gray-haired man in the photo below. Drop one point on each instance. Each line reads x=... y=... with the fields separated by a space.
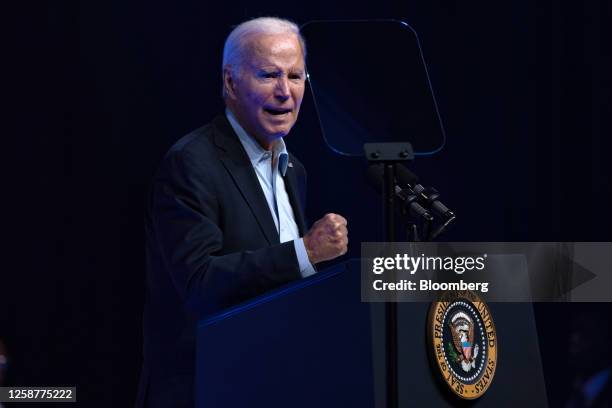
x=225 y=216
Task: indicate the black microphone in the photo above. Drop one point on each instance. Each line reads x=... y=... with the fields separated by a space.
x=428 y=196
x=375 y=174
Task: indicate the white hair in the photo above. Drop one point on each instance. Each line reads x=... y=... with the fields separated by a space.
x=234 y=48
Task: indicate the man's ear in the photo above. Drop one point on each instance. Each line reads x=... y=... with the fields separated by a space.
x=229 y=82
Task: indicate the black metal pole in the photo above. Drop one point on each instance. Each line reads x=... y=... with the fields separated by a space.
x=389 y=154
x=389 y=197
x=390 y=307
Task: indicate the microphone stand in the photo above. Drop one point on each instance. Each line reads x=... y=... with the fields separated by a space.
x=389 y=154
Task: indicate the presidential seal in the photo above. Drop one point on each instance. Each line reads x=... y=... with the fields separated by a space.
x=463 y=343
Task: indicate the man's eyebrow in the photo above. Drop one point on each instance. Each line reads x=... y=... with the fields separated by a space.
x=267 y=67
x=271 y=69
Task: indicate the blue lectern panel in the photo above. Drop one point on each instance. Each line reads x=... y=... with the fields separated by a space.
x=306 y=346
x=315 y=344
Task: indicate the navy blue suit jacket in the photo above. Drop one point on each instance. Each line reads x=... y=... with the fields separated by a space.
x=211 y=243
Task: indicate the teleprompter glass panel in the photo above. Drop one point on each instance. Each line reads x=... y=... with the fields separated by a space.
x=370 y=84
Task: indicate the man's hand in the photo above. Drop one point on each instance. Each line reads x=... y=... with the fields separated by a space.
x=327 y=239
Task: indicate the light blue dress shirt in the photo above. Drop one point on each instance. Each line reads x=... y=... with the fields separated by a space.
x=270 y=167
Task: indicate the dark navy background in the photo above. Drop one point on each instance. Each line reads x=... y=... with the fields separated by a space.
x=97 y=91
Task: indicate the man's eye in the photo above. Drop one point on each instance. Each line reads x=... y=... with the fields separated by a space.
x=269 y=75
x=295 y=77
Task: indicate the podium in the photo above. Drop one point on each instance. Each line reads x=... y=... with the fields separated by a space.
x=313 y=343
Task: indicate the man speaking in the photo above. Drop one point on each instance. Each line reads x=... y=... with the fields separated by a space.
x=225 y=215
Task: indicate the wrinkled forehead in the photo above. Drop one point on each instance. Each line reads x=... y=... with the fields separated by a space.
x=283 y=48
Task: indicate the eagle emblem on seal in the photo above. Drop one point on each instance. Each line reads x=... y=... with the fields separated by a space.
x=463 y=343
x=462 y=331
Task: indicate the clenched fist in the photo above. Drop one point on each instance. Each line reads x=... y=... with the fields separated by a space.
x=327 y=239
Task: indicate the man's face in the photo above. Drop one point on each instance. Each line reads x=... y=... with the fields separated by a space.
x=266 y=92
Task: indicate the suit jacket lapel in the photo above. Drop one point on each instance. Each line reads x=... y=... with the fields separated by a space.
x=291 y=184
x=241 y=170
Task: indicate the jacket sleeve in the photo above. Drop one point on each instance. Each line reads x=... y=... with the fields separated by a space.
x=184 y=212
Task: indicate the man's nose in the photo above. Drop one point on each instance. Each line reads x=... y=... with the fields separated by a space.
x=282 y=88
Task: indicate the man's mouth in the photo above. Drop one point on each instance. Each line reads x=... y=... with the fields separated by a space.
x=277 y=111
